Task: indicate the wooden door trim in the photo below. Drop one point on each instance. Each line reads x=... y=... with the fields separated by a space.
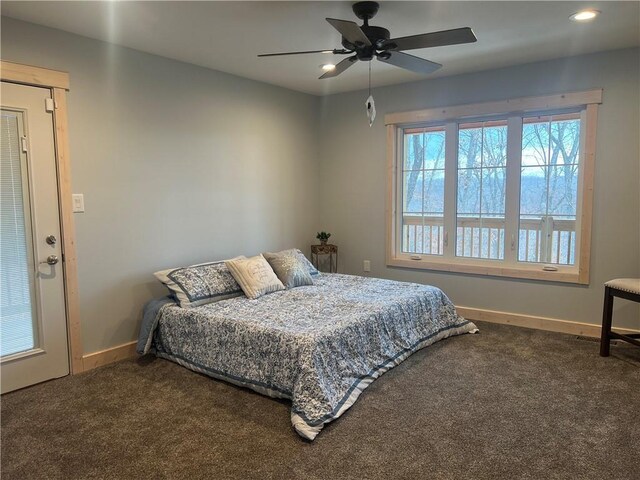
x=58 y=83
x=35 y=76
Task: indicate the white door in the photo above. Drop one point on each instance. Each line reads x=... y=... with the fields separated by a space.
x=33 y=327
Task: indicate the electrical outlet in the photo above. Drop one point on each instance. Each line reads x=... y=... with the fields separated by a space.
x=367 y=265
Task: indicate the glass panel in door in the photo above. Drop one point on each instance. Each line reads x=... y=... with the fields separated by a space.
x=17 y=292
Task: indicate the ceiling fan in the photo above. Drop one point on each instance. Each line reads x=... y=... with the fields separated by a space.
x=366 y=42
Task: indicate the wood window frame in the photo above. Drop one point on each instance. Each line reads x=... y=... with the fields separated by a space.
x=58 y=83
x=396 y=122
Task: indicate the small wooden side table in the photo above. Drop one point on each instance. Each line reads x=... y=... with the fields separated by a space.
x=331 y=250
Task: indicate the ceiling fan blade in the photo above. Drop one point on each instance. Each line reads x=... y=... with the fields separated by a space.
x=341 y=67
x=350 y=30
x=433 y=39
x=409 y=62
x=328 y=50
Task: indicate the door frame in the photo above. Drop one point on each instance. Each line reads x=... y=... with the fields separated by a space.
x=58 y=83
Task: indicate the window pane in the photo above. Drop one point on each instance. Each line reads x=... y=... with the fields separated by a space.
x=434 y=150
x=423 y=191
x=469 y=191
x=480 y=237
x=494 y=151
x=469 y=147
x=482 y=156
x=493 y=191
x=413 y=152
x=563 y=189
x=16 y=282
x=434 y=191
x=565 y=141
x=423 y=234
x=549 y=190
x=535 y=143
x=533 y=191
x=413 y=188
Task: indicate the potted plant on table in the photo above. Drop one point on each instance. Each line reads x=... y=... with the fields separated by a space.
x=323 y=237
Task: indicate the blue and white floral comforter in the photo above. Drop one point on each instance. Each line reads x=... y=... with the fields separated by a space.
x=319 y=346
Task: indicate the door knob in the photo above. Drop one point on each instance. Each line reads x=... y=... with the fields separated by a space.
x=51 y=260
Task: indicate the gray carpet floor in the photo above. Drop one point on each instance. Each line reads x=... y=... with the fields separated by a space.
x=508 y=403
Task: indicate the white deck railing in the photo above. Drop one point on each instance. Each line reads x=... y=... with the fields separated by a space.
x=543 y=240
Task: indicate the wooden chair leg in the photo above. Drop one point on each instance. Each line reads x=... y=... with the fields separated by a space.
x=607 y=313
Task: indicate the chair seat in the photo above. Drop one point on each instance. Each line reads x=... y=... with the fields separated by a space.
x=631 y=285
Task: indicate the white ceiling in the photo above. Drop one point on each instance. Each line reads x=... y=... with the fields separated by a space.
x=227 y=36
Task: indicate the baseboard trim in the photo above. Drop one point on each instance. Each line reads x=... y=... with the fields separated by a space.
x=110 y=355
x=539 y=323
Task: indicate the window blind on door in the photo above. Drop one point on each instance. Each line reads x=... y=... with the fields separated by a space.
x=16 y=262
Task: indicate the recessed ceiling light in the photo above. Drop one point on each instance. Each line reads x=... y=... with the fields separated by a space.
x=584 y=15
x=327 y=67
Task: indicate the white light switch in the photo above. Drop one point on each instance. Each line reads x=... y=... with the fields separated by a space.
x=78 y=202
x=367 y=265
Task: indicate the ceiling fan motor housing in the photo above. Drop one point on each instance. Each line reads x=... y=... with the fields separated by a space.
x=376 y=35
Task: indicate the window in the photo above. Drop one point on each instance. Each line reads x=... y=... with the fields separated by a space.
x=549 y=189
x=494 y=189
x=423 y=200
x=482 y=161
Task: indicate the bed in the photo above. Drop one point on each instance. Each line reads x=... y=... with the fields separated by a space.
x=319 y=346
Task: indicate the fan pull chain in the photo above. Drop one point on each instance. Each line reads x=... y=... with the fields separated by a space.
x=370 y=104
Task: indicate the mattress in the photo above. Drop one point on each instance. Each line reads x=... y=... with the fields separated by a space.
x=319 y=346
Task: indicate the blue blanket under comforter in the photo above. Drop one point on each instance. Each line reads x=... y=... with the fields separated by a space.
x=319 y=346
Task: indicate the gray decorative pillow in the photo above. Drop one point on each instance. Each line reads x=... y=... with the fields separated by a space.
x=254 y=275
x=289 y=268
x=200 y=284
x=313 y=271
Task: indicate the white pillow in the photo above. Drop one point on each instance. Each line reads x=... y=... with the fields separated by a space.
x=254 y=275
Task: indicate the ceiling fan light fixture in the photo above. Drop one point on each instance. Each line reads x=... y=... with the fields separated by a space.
x=328 y=67
x=585 y=15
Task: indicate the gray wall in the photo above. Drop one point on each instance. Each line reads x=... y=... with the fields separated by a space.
x=178 y=165
x=353 y=181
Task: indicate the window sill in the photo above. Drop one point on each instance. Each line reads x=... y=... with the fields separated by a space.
x=532 y=272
